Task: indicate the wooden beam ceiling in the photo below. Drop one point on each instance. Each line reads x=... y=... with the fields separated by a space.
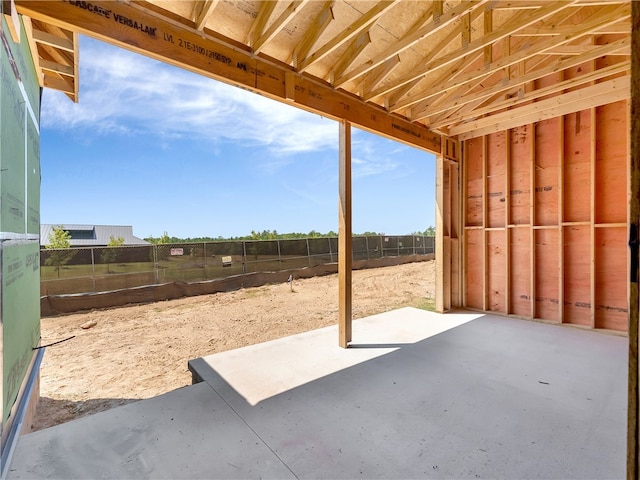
x=400 y=68
x=151 y=35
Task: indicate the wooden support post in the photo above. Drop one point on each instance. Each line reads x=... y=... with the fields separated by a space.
x=507 y=222
x=485 y=225
x=633 y=437
x=446 y=217
x=440 y=212
x=561 y=133
x=532 y=219
x=592 y=219
x=464 y=158
x=344 y=236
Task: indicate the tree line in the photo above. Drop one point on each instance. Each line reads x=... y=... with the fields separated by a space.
x=60 y=253
x=268 y=235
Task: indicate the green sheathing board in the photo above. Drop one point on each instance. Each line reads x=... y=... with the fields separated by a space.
x=19 y=215
x=20 y=314
x=19 y=183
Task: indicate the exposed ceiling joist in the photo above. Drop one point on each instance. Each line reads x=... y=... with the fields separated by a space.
x=363 y=23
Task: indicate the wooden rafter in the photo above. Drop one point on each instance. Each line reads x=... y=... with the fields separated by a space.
x=276 y=27
x=57 y=50
x=58 y=68
x=521 y=21
x=453 y=35
x=60 y=43
x=376 y=76
x=363 y=23
x=409 y=40
x=620 y=45
x=320 y=23
x=593 y=96
x=33 y=48
x=259 y=25
x=519 y=56
x=356 y=47
x=447 y=95
x=237 y=66
x=437 y=65
x=578 y=81
x=204 y=9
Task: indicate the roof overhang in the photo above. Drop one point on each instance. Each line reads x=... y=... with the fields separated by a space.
x=408 y=70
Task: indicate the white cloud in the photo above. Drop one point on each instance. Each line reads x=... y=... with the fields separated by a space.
x=373 y=155
x=125 y=93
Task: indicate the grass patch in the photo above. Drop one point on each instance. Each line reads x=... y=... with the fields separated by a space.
x=428 y=304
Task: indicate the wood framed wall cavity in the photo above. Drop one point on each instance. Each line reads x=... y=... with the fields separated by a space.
x=448 y=244
x=519 y=211
x=545 y=219
x=473 y=201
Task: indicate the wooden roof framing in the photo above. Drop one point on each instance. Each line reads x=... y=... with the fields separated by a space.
x=57 y=56
x=427 y=68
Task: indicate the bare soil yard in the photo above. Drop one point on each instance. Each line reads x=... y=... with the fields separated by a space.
x=141 y=351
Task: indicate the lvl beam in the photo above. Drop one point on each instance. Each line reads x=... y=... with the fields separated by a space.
x=165 y=40
x=344 y=237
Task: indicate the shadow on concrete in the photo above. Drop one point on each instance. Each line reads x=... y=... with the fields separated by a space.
x=376 y=345
x=51 y=411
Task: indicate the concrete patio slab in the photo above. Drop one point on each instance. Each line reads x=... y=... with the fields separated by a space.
x=188 y=433
x=419 y=395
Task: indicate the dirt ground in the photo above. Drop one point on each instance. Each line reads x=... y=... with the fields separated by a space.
x=141 y=351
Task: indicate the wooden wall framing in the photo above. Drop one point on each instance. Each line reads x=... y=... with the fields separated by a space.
x=449 y=286
x=545 y=224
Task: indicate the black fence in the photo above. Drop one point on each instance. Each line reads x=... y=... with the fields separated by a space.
x=100 y=269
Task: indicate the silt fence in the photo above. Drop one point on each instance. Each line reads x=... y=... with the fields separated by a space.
x=91 y=270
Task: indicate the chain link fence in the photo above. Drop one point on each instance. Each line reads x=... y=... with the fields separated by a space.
x=101 y=269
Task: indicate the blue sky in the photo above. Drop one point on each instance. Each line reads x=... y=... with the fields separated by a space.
x=163 y=149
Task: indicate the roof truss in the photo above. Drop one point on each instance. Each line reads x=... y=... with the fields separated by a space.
x=425 y=68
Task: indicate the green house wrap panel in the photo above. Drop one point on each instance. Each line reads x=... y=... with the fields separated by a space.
x=20 y=315
x=19 y=214
x=20 y=140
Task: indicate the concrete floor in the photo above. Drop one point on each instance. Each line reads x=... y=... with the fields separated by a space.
x=420 y=395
